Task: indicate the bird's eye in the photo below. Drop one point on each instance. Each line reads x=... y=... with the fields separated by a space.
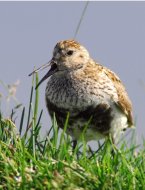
x=70 y=52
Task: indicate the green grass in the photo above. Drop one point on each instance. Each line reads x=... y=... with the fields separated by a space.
x=29 y=161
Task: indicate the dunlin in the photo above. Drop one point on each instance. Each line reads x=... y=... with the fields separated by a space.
x=91 y=93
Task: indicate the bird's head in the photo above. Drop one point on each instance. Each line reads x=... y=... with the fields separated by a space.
x=68 y=55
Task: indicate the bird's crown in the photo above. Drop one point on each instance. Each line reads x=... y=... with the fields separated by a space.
x=68 y=44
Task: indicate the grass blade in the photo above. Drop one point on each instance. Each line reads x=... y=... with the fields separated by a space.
x=81 y=19
x=21 y=121
x=36 y=100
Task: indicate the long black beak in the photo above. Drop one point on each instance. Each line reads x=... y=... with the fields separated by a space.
x=52 y=70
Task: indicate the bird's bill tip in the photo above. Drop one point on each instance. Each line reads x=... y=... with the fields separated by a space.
x=52 y=70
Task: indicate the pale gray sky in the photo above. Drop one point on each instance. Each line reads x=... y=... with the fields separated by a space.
x=113 y=32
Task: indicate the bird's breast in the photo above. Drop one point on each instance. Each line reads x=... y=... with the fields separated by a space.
x=67 y=94
x=73 y=94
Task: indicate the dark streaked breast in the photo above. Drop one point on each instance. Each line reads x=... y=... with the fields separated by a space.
x=100 y=117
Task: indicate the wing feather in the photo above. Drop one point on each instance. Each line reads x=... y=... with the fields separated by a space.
x=123 y=102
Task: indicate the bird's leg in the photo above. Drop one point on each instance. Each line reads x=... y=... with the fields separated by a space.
x=74 y=144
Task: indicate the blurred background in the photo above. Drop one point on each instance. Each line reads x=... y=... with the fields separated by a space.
x=113 y=32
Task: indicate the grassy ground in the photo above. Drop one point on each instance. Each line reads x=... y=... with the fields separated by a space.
x=29 y=162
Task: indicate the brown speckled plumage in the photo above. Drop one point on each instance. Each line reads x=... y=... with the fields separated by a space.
x=88 y=91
